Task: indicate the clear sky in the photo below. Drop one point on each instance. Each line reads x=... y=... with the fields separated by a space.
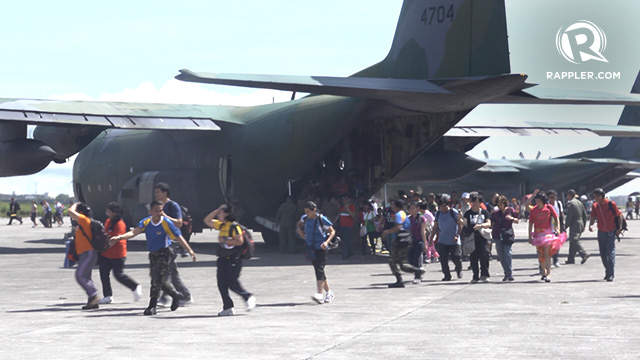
x=124 y=50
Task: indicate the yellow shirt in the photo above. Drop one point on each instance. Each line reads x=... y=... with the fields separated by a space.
x=224 y=228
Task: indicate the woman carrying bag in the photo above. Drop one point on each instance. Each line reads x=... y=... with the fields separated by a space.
x=503 y=234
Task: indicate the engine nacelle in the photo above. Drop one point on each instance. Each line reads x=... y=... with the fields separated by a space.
x=24 y=157
x=66 y=141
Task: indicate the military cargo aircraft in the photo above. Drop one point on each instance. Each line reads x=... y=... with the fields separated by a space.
x=607 y=167
x=447 y=57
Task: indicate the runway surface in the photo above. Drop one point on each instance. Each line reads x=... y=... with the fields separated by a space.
x=576 y=316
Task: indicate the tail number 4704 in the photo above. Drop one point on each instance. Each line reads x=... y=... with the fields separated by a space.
x=437 y=14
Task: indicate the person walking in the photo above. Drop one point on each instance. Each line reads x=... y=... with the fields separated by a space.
x=14 y=209
x=630 y=207
x=552 y=195
x=46 y=214
x=368 y=223
x=229 y=263
x=171 y=211
x=286 y=219
x=34 y=213
x=609 y=219
x=317 y=232
x=541 y=232
x=419 y=233
x=87 y=255
x=446 y=230
x=575 y=222
x=475 y=220
x=159 y=232
x=503 y=234
x=347 y=229
x=401 y=245
x=113 y=259
x=431 y=254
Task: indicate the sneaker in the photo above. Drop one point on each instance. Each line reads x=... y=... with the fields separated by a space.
x=484 y=279
x=556 y=265
x=317 y=298
x=329 y=298
x=510 y=279
x=417 y=281
x=446 y=278
x=610 y=278
x=106 y=300
x=150 y=311
x=92 y=303
x=474 y=281
x=569 y=262
x=137 y=293
x=251 y=303
x=227 y=312
x=584 y=259
x=547 y=279
x=397 y=284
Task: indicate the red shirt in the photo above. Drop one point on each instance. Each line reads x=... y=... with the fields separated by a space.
x=604 y=215
x=345 y=219
x=541 y=218
x=119 y=249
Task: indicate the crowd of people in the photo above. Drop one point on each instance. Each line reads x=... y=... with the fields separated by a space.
x=48 y=218
x=416 y=230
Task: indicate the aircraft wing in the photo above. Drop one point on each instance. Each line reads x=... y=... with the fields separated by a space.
x=538 y=95
x=500 y=89
x=359 y=87
x=115 y=114
x=533 y=128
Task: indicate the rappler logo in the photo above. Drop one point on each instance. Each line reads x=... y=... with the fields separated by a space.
x=581 y=42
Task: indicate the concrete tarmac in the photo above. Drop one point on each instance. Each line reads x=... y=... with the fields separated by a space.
x=576 y=316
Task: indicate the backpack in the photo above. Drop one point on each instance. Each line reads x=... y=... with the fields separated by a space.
x=99 y=239
x=248 y=247
x=187 y=224
x=450 y=213
x=616 y=219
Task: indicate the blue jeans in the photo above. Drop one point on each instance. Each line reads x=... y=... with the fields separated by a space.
x=504 y=253
x=347 y=234
x=607 y=247
x=86 y=261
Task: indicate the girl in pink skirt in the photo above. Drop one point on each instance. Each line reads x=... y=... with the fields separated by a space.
x=541 y=233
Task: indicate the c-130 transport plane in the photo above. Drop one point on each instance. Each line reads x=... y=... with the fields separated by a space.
x=447 y=57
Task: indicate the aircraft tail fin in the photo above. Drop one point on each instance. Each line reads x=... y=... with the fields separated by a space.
x=437 y=39
x=627 y=148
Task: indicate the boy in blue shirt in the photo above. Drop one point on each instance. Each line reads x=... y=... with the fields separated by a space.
x=317 y=232
x=159 y=232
